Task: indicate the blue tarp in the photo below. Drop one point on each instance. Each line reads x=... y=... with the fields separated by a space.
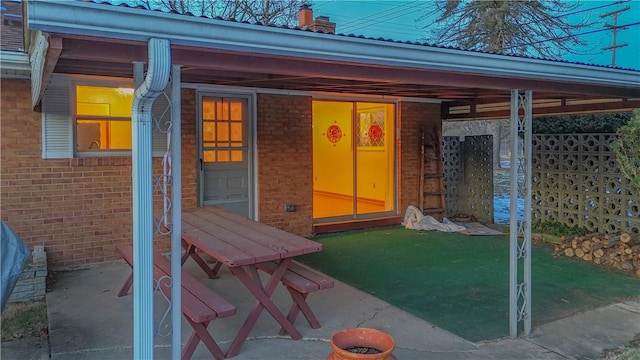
x=14 y=254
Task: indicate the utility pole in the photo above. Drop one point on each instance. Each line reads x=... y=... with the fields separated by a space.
x=615 y=29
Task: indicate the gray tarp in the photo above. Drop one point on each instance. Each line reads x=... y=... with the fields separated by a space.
x=14 y=253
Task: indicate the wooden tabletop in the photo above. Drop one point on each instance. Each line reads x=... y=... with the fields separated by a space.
x=236 y=240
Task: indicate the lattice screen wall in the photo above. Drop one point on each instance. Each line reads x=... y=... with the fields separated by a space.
x=576 y=181
x=468 y=176
x=478 y=177
x=452 y=170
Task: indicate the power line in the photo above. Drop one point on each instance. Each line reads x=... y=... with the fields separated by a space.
x=371 y=19
x=590 y=9
x=385 y=24
x=574 y=35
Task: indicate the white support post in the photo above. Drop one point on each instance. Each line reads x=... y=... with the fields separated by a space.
x=520 y=229
x=176 y=213
x=528 y=148
x=142 y=191
x=513 y=223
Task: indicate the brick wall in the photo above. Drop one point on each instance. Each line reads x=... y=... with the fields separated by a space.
x=79 y=209
x=412 y=115
x=285 y=162
x=11 y=26
x=189 y=149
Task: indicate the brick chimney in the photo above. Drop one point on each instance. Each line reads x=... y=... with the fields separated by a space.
x=321 y=23
x=305 y=16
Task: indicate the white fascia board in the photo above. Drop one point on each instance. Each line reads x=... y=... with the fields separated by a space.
x=314 y=94
x=15 y=64
x=117 y=22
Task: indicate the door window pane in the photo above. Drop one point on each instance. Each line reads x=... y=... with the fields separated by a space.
x=223 y=127
x=375 y=158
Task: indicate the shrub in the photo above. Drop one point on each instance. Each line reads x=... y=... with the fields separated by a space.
x=557 y=229
x=627 y=149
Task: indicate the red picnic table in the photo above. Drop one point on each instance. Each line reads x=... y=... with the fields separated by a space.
x=243 y=245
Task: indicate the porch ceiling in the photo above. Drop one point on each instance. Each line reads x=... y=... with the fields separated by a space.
x=465 y=95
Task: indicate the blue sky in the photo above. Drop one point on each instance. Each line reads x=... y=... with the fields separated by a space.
x=399 y=20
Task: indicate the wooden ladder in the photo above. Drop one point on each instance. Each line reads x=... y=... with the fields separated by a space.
x=432 y=199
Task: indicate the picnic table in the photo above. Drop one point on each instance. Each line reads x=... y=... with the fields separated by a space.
x=244 y=245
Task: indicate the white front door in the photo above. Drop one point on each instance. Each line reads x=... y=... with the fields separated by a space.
x=224 y=153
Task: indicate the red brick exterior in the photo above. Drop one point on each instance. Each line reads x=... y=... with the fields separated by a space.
x=285 y=162
x=189 y=148
x=11 y=26
x=79 y=209
x=412 y=116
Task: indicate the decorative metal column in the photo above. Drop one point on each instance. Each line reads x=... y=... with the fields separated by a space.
x=168 y=185
x=174 y=147
x=142 y=190
x=520 y=228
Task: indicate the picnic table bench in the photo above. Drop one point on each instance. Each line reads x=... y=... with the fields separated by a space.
x=300 y=281
x=243 y=245
x=200 y=304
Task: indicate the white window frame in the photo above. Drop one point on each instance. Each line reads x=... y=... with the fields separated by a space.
x=75 y=116
x=59 y=117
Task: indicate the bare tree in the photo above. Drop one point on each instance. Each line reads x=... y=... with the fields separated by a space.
x=268 y=12
x=517 y=27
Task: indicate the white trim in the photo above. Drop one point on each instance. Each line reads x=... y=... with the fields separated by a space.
x=38 y=52
x=253 y=138
x=240 y=89
x=313 y=94
x=14 y=65
x=372 y=98
x=252 y=128
x=116 y=22
x=71 y=82
x=57 y=129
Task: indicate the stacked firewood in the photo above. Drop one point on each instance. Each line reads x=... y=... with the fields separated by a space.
x=616 y=251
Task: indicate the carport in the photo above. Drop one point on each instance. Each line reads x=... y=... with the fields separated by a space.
x=88 y=38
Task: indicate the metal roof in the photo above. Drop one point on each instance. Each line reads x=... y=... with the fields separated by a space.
x=98 y=38
x=351 y=35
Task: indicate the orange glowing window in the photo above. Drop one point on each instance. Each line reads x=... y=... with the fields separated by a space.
x=103 y=118
x=223 y=133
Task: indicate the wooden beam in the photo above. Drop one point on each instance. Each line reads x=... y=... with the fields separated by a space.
x=604 y=107
x=216 y=59
x=257 y=65
x=388 y=74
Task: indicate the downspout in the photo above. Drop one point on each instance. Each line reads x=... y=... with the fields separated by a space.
x=154 y=83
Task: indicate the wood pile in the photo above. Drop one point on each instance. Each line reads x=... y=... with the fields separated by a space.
x=619 y=252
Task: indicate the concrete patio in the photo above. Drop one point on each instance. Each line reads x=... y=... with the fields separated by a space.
x=88 y=321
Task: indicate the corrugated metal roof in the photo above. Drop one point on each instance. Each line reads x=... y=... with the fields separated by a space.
x=389 y=40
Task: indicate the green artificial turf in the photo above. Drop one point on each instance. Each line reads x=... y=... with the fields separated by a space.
x=460 y=283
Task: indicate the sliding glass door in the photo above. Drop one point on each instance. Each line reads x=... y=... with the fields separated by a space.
x=353 y=159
